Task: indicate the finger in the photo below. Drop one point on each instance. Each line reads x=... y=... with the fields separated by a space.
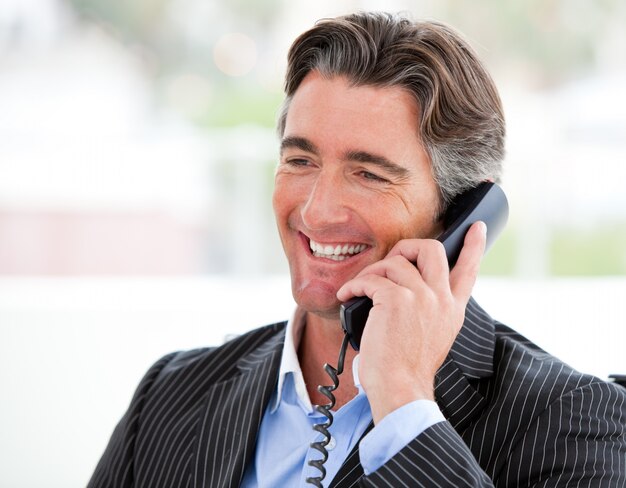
x=395 y=268
x=430 y=259
x=367 y=285
x=464 y=274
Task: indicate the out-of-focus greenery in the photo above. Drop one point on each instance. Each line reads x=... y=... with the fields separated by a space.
x=152 y=29
x=236 y=105
x=546 y=40
x=600 y=250
x=597 y=251
x=139 y=21
x=552 y=40
x=154 y=26
x=500 y=259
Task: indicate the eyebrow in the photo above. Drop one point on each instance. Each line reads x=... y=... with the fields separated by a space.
x=302 y=143
x=380 y=161
x=294 y=142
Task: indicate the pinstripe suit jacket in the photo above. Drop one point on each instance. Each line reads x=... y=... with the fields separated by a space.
x=516 y=416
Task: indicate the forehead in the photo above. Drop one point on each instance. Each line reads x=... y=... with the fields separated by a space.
x=337 y=94
x=334 y=113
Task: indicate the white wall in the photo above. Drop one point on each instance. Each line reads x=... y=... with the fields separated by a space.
x=73 y=350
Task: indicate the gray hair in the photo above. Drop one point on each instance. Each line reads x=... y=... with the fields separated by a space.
x=461 y=118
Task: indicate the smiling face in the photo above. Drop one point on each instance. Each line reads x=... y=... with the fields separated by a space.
x=353 y=180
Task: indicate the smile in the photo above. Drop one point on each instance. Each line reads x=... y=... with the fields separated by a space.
x=337 y=252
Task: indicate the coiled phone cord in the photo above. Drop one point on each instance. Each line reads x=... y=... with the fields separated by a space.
x=323 y=427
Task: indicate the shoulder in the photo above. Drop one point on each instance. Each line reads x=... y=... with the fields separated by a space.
x=539 y=401
x=177 y=384
x=189 y=373
x=524 y=365
x=168 y=401
x=206 y=362
x=532 y=400
x=530 y=384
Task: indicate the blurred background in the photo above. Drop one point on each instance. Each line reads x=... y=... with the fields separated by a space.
x=137 y=150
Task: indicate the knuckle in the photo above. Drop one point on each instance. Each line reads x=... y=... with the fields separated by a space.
x=437 y=247
x=398 y=260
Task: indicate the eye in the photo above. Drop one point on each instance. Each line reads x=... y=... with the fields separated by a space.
x=373 y=177
x=298 y=162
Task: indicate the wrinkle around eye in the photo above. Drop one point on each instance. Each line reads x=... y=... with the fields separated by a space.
x=368 y=175
x=298 y=162
x=295 y=163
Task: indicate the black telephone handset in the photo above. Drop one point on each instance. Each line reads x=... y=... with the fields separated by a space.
x=486 y=202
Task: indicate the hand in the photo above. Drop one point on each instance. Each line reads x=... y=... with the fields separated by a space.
x=418 y=310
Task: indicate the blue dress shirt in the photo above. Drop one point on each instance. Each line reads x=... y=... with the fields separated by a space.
x=283 y=443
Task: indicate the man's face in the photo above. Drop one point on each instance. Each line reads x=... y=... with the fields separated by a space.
x=353 y=180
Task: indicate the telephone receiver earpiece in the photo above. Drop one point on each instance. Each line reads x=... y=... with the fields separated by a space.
x=486 y=202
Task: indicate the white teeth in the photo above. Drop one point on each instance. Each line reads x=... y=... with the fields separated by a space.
x=337 y=253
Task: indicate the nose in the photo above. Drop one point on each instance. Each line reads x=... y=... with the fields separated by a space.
x=325 y=204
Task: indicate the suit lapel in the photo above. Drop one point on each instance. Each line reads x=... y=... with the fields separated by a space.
x=234 y=407
x=232 y=415
x=470 y=358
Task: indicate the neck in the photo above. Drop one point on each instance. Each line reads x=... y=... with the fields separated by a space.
x=320 y=344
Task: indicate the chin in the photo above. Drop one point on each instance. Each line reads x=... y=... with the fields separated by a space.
x=321 y=301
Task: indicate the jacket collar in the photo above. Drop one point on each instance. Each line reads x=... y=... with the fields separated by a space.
x=469 y=360
x=226 y=437
x=269 y=349
x=473 y=348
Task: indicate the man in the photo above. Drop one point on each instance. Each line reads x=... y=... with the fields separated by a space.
x=384 y=122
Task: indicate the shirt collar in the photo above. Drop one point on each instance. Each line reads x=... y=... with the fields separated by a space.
x=289 y=362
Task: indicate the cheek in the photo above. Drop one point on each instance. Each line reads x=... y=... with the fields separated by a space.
x=395 y=222
x=284 y=201
x=276 y=202
x=390 y=231
x=279 y=197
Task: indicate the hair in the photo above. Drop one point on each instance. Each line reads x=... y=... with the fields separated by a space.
x=461 y=120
